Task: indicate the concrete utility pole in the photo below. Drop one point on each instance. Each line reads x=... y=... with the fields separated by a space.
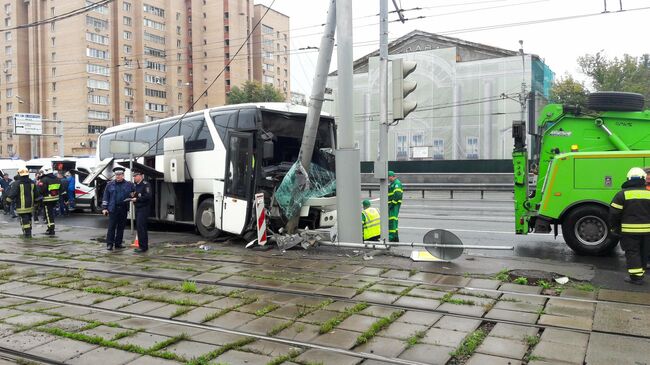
x=381 y=164
x=348 y=184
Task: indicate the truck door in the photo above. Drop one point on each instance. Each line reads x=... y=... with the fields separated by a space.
x=239 y=177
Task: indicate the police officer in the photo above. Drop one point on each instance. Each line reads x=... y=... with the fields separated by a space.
x=370 y=221
x=141 y=198
x=395 y=193
x=50 y=189
x=115 y=204
x=23 y=192
x=629 y=216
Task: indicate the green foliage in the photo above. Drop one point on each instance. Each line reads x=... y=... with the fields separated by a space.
x=189 y=287
x=470 y=344
x=331 y=323
x=544 y=284
x=263 y=311
x=627 y=73
x=531 y=340
x=569 y=91
x=415 y=338
x=379 y=325
x=521 y=281
x=447 y=298
x=254 y=92
x=503 y=275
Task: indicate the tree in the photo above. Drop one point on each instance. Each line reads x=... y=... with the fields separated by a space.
x=629 y=73
x=568 y=91
x=254 y=92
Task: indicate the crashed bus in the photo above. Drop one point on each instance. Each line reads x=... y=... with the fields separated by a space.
x=206 y=168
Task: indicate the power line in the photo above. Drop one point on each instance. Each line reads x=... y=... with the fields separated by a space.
x=63 y=16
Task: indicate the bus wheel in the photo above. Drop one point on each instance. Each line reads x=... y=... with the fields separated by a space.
x=205 y=220
x=586 y=231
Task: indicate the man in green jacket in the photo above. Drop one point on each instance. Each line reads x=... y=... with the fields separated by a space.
x=395 y=193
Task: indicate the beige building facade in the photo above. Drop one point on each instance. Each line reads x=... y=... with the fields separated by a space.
x=125 y=61
x=271 y=50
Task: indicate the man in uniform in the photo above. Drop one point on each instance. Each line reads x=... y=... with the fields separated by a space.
x=370 y=221
x=115 y=204
x=24 y=192
x=5 y=181
x=395 y=193
x=141 y=198
x=63 y=198
x=50 y=189
x=629 y=216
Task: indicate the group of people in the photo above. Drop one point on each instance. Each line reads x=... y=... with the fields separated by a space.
x=370 y=217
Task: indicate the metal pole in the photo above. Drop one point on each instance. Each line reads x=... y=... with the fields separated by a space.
x=318 y=88
x=348 y=187
x=381 y=164
x=387 y=245
x=131 y=207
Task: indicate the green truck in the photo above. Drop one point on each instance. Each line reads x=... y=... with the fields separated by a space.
x=580 y=159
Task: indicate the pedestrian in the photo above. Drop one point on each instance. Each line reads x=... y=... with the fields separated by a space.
x=51 y=189
x=12 y=204
x=115 y=204
x=629 y=216
x=395 y=193
x=4 y=190
x=142 y=201
x=71 y=190
x=370 y=222
x=23 y=193
x=63 y=197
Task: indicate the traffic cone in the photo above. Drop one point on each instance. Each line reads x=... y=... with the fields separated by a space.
x=136 y=243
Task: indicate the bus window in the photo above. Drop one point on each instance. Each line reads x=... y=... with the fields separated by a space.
x=166 y=130
x=247 y=118
x=127 y=135
x=224 y=121
x=196 y=135
x=105 y=145
x=147 y=134
x=240 y=165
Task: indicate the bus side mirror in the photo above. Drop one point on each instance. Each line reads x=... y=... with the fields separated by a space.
x=268 y=150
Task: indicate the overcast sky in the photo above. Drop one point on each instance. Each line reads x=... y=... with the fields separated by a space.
x=559 y=43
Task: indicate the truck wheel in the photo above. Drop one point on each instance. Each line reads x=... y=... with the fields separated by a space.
x=205 y=220
x=615 y=101
x=94 y=207
x=586 y=231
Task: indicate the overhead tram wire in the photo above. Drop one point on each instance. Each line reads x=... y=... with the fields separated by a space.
x=56 y=18
x=250 y=34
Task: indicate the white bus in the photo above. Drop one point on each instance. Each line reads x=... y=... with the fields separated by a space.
x=206 y=169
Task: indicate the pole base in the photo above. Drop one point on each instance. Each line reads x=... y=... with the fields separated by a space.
x=419 y=255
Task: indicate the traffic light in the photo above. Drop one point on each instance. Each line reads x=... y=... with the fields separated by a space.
x=402 y=88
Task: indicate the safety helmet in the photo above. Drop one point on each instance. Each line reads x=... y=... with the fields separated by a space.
x=46 y=170
x=636 y=173
x=23 y=171
x=366 y=203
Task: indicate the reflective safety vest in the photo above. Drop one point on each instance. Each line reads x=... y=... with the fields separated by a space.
x=371 y=226
x=51 y=188
x=630 y=209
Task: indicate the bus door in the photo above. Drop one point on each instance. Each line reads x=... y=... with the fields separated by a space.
x=238 y=180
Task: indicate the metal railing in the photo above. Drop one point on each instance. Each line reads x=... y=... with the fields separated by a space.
x=451 y=187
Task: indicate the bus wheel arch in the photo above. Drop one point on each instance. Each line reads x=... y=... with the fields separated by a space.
x=586 y=230
x=205 y=218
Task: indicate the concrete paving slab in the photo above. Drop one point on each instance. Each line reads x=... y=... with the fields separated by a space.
x=26 y=340
x=337 y=291
x=66 y=324
x=517 y=288
x=468 y=310
x=377 y=311
x=262 y=325
x=117 y=302
x=518 y=298
x=190 y=349
x=138 y=323
x=216 y=338
x=421 y=303
x=482 y=293
x=417 y=317
x=374 y=297
x=104 y=356
x=482 y=359
x=143 y=306
x=142 y=339
x=521 y=317
x=622 y=318
x=388 y=347
x=444 y=337
x=224 y=303
x=503 y=347
x=9 y=312
x=484 y=283
x=300 y=332
x=28 y=319
x=560 y=352
x=196 y=315
x=338 y=306
x=453 y=280
x=357 y=322
x=268 y=348
x=240 y=357
x=428 y=354
x=567 y=307
x=105 y=332
x=103 y=317
x=575 y=339
x=619 y=296
x=62 y=349
x=370 y=271
x=319 y=316
x=458 y=324
x=67 y=311
x=513 y=332
x=577 y=293
x=166 y=311
x=232 y=320
x=401 y=330
x=150 y=360
x=315 y=356
x=172 y=330
x=38 y=306
x=426 y=293
x=519 y=306
x=581 y=323
x=605 y=349
x=338 y=338
x=91 y=298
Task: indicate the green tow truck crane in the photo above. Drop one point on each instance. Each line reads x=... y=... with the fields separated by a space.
x=581 y=158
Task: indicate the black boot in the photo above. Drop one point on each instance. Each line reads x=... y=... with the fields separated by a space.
x=50 y=232
x=109 y=247
x=636 y=280
x=27 y=234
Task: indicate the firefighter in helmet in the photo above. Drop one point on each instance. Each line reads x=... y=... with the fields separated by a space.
x=24 y=193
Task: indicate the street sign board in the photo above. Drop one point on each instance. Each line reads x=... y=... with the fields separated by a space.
x=30 y=124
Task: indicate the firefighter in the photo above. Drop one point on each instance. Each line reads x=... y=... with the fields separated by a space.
x=370 y=222
x=395 y=193
x=141 y=198
x=115 y=204
x=51 y=189
x=23 y=193
x=629 y=216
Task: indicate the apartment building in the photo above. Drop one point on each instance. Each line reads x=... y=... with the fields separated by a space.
x=271 y=49
x=121 y=62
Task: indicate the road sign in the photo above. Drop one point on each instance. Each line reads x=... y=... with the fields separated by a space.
x=30 y=124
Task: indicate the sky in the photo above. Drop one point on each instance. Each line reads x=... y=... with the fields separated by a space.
x=558 y=43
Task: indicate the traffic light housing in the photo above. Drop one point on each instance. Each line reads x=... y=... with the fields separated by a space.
x=402 y=88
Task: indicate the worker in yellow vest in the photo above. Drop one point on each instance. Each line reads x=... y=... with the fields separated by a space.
x=370 y=221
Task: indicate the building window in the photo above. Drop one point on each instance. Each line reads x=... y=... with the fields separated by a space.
x=126 y=6
x=98 y=114
x=471 y=148
x=155 y=66
x=402 y=147
x=128 y=77
x=97 y=53
x=438 y=149
x=155 y=93
x=53 y=71
x=180 y=97
x=9 y=78
x=96 y=129
x=10 y=107
x=52 y=27
x=7 y=9
x=128 y=35
x=98 y=84
x=153 y=24
x=10 y=93
x=8 y=51
x=96 y=38
x=155 y=52
x=154 y=10
x=54 y=86
x=154 y=38
x=127 y=21
x=98 y=99
x=102 y=9
x=266 y=29
x=8 y=36
x=97 y=69
x=127 y=49
x=128 y=105
x=96 y=23
x=155 y=107
x=152 y=79
x=9 y=64
x=268 y=79
x=7 y=22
